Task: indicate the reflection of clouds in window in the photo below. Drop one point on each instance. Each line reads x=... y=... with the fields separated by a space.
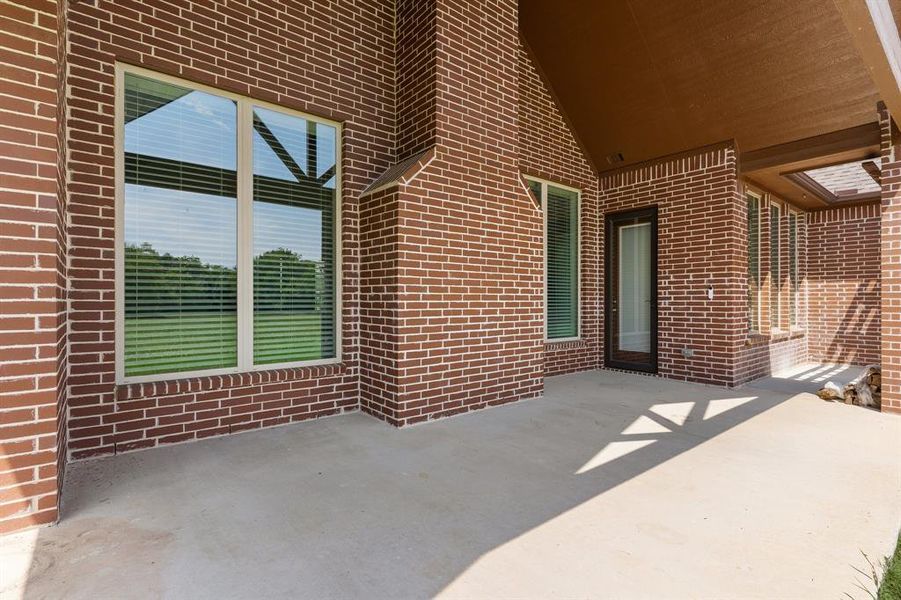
x=325 y=149
x=290 y=227
x=292 y=133
x=286 y=130
x=182 y=223
x=266 y=162
x=197 y=128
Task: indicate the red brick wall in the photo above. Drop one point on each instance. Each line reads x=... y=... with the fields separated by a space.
x=843 y=281
x=468 y=236
x=417 y=48
x=379 y=320
x=701 y=242
x=62 y=249
x=548 y=149
x=470 y=300
x=890 y=276
x=332 y=59
x=32 y=273
x=764 y=355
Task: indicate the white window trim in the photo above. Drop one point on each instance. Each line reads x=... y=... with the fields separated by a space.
x=244 y=235
x=759 y=198
x=544 y=185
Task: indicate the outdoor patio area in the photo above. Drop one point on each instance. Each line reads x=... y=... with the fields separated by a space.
x=611 y=485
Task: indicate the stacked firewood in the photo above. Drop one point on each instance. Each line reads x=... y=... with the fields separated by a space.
x=865 y=389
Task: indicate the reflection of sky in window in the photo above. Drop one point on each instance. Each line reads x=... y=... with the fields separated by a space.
x=198 y=128
x=189 y=224
x=291 y=131
x=275 y=225
x=201 y=128
x=293 y=228
x=182 y=223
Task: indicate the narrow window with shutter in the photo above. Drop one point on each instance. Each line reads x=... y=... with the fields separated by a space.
x=561 y=222
x=754 y=262
x=793 y=275
x=775 y=272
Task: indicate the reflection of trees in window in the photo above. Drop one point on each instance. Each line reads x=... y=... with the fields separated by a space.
x=283 y=281
x=181 y=232
x=175 y=284
x=294 y=164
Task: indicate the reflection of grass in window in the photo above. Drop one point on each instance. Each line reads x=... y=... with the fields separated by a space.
x=280 y=337
x=179 y=343
x=201 y=341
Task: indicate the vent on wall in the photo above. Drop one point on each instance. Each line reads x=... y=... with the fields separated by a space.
x=612 y=159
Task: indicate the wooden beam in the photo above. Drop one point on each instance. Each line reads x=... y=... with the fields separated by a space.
x=862 y=136
x=873 y=170
x=875 y=34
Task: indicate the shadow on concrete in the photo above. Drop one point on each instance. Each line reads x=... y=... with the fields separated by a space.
x=349 y=507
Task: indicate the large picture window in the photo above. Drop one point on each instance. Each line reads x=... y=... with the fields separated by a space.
x=561 y=218
x=227 y=220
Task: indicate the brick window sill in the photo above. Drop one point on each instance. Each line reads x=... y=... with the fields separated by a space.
x=186 y=385
x=777 y=335
x=550 y=345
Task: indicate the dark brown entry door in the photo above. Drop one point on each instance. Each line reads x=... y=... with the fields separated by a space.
x=630 y=307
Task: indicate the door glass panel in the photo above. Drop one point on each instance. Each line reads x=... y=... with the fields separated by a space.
x=631 y=301
x=635 y=288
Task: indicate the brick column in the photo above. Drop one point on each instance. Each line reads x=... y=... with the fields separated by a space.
x=32 y=263
x=891 y=262
x=462 y=246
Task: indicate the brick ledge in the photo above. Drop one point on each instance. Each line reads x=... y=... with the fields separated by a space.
x=212 y=382
x=567 y=345
x=757 y=339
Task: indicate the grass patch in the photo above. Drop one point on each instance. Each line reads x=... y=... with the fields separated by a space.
x=891 y=578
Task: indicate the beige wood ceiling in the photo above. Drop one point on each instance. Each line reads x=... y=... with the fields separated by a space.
x=647 y=78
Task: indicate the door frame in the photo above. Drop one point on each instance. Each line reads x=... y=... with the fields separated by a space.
x=611 y=221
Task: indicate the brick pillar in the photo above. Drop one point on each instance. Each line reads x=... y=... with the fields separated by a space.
x=891 y=262
x=463 y=239
x=32 y=263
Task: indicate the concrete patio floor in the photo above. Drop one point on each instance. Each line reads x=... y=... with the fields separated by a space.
x=612 y=485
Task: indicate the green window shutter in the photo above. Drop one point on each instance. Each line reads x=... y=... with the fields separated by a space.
x=775 y=274
x=754 y=262
x=294 y=252
x=793 y=267
x=180 y=229
x=562 y=272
